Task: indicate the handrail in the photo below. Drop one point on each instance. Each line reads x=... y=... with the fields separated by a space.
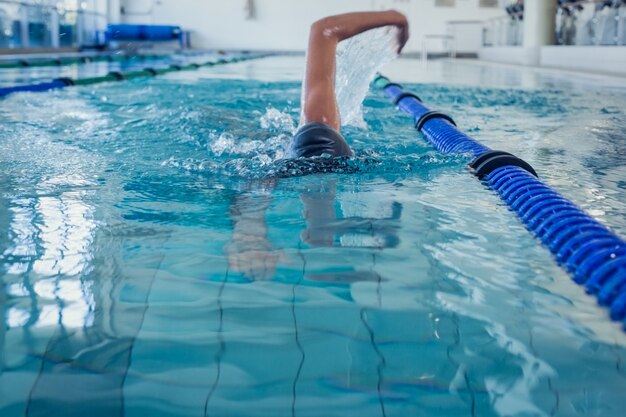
x=446 y=38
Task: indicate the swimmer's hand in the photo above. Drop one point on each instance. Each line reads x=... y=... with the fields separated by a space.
x=403 y=29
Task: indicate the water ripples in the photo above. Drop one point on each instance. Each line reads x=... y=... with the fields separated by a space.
x=157 y=234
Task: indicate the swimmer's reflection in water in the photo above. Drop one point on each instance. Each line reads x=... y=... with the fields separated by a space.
x=325 y=228
x=251 y=253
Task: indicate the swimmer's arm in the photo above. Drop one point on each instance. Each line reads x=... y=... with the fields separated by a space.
x=347 y=25
x=318 y=93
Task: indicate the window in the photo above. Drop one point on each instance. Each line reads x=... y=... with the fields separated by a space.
x=445 y=3
x=488 y=3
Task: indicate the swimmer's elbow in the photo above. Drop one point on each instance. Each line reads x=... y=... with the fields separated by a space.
x=321 y=25
x=325 y=28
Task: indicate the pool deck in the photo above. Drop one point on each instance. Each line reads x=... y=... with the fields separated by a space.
x=457 y=72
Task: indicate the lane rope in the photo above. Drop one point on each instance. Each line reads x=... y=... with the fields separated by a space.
x=121 y=76
x=62 y=61
x=594 y=256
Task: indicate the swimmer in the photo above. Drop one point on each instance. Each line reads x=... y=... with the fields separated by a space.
x=250 y=252
x=319 y=128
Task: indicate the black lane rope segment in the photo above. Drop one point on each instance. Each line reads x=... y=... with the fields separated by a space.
x=490 y=161
x=434 y=114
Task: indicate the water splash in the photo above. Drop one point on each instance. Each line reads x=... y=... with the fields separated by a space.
x=274 y=119
x=358 y=60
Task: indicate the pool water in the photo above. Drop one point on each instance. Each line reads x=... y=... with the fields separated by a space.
x=156 y=260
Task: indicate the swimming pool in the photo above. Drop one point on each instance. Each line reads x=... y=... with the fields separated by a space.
x=151 y=267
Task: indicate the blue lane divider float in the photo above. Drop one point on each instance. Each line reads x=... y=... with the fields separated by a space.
x=591 y=253
x=33 y=87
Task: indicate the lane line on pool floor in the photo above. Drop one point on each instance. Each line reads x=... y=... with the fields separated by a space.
x=593 y=255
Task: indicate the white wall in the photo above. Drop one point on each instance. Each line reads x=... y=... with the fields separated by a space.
x=283 y=24
x=598 y=59
x=468 y=35
x=602 y=59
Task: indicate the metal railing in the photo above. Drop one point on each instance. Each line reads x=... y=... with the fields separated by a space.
x=504 y=31
x=446 y=46
x=582 y=22
x=44 y=25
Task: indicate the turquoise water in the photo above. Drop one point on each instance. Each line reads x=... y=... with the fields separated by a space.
x=156 y=261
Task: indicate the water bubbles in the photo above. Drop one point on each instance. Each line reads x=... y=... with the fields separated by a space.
x=274 y=119
x=224 y=143
x=262 y=160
